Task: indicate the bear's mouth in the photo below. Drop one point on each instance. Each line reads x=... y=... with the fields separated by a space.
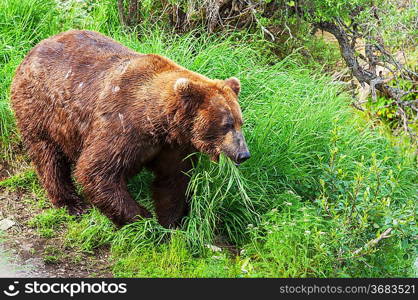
x=232 y=157
x=236 y=158
x=214 y=157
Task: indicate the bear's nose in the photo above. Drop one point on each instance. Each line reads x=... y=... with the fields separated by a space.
x=243 y=156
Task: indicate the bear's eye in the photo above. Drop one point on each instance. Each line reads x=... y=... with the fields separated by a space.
x=228 y=125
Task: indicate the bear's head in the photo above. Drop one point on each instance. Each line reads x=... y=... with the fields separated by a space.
x=216 y=117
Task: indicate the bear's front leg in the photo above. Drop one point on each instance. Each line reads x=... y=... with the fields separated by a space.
x=170 y=184
x=103 y=178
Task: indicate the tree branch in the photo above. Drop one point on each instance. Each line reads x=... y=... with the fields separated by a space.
x=121 y=12
x=374 y=242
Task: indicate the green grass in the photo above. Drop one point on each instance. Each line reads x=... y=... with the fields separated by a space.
x=173 y=259
x=320 y=184
x=50 y=221
x=22 y=25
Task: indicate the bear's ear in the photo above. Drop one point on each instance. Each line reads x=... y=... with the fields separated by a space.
x=190 y=92
x=234 y=84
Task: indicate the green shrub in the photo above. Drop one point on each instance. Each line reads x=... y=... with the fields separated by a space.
x=292 y=240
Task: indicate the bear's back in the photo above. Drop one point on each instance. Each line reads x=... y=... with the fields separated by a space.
x=60 y=81
x=82 y=51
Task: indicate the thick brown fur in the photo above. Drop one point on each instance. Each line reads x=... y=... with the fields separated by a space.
x=90 y=107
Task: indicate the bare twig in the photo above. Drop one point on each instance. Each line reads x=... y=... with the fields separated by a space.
x=264 y=29
x=374 y=242
x=121 y=12
x=369 y=76
x=133 y=12
x=128 y=16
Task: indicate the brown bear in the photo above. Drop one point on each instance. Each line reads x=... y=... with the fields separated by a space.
x=88 y=106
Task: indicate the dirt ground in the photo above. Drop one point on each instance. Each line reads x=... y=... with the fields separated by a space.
x=24 y=253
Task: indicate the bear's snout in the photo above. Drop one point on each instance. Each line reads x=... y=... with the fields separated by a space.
x=236 y=147
x=243 y=156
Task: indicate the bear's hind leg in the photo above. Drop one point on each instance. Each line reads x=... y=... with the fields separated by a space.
x=54 y=171
x=99 y=172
